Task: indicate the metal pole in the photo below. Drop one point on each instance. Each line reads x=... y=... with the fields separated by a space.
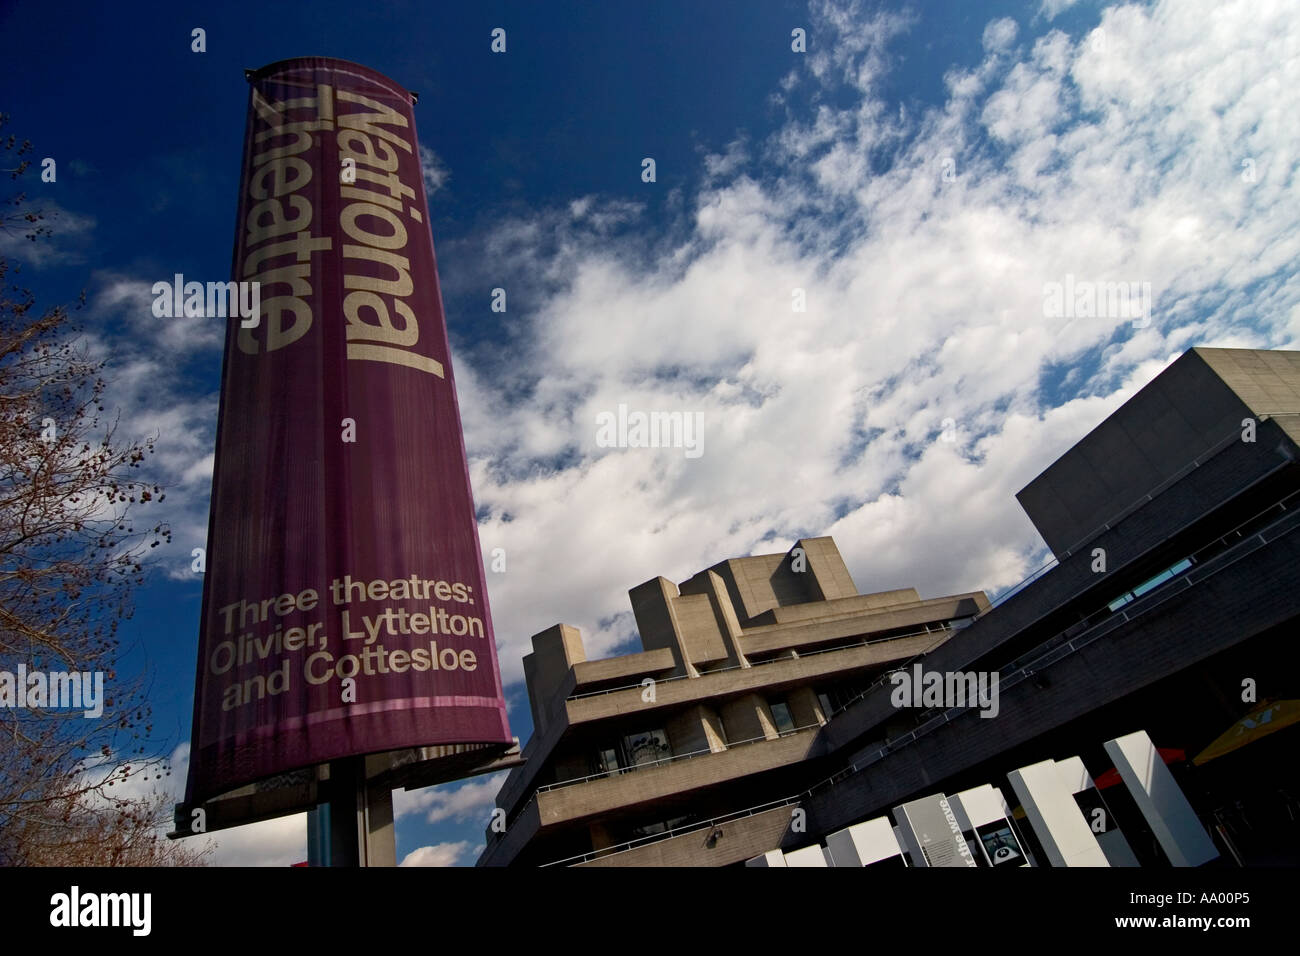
x=318 y=835
x=360 y=817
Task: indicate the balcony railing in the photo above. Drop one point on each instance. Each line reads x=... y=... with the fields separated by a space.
x=1118 y=516
x=619 y=771
x=674 y=832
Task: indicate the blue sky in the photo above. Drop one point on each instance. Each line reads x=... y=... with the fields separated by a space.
x=922 y=173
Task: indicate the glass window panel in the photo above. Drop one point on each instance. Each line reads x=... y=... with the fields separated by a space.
x=1150 y=584
x=781 y=716
x=646 y=747
x=606 y=760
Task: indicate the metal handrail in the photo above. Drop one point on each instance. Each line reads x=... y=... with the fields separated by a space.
x=1186 y=469
x=1016 y=588
x=884 y=679
x=669 y=834
x=619 y=771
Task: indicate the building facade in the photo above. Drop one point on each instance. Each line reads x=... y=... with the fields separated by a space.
x=764 y=711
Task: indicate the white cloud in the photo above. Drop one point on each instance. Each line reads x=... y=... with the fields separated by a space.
x=728 y=163
x=467 y=802
x=278 y=842
x=70 y=232
x=1000 y=34
x=439 y=854
x=131 y=298
x=1114 y=161
x=433 y=170
x=150 y=394
x=1050 y=8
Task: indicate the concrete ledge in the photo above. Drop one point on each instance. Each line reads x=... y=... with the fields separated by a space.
x=740 y=839
x=620 y=792
x=630 y=666
x=721 y=684
x=779 y=637
x=848 y=605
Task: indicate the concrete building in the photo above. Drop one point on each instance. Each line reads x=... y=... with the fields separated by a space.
x=771 y=721
x=741 y=668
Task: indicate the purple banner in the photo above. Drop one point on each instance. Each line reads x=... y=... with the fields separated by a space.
x=344 y=606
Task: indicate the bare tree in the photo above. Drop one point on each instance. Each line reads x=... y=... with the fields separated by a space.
x=17 y=214
x=70 y=554
x=79 y=827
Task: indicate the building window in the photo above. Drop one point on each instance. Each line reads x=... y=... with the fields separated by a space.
x=781 y=716
x=1150 y=584
x=606 y=761
x=647 y=747
x=838 y=696
x=663 y=826
x=630 y=751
